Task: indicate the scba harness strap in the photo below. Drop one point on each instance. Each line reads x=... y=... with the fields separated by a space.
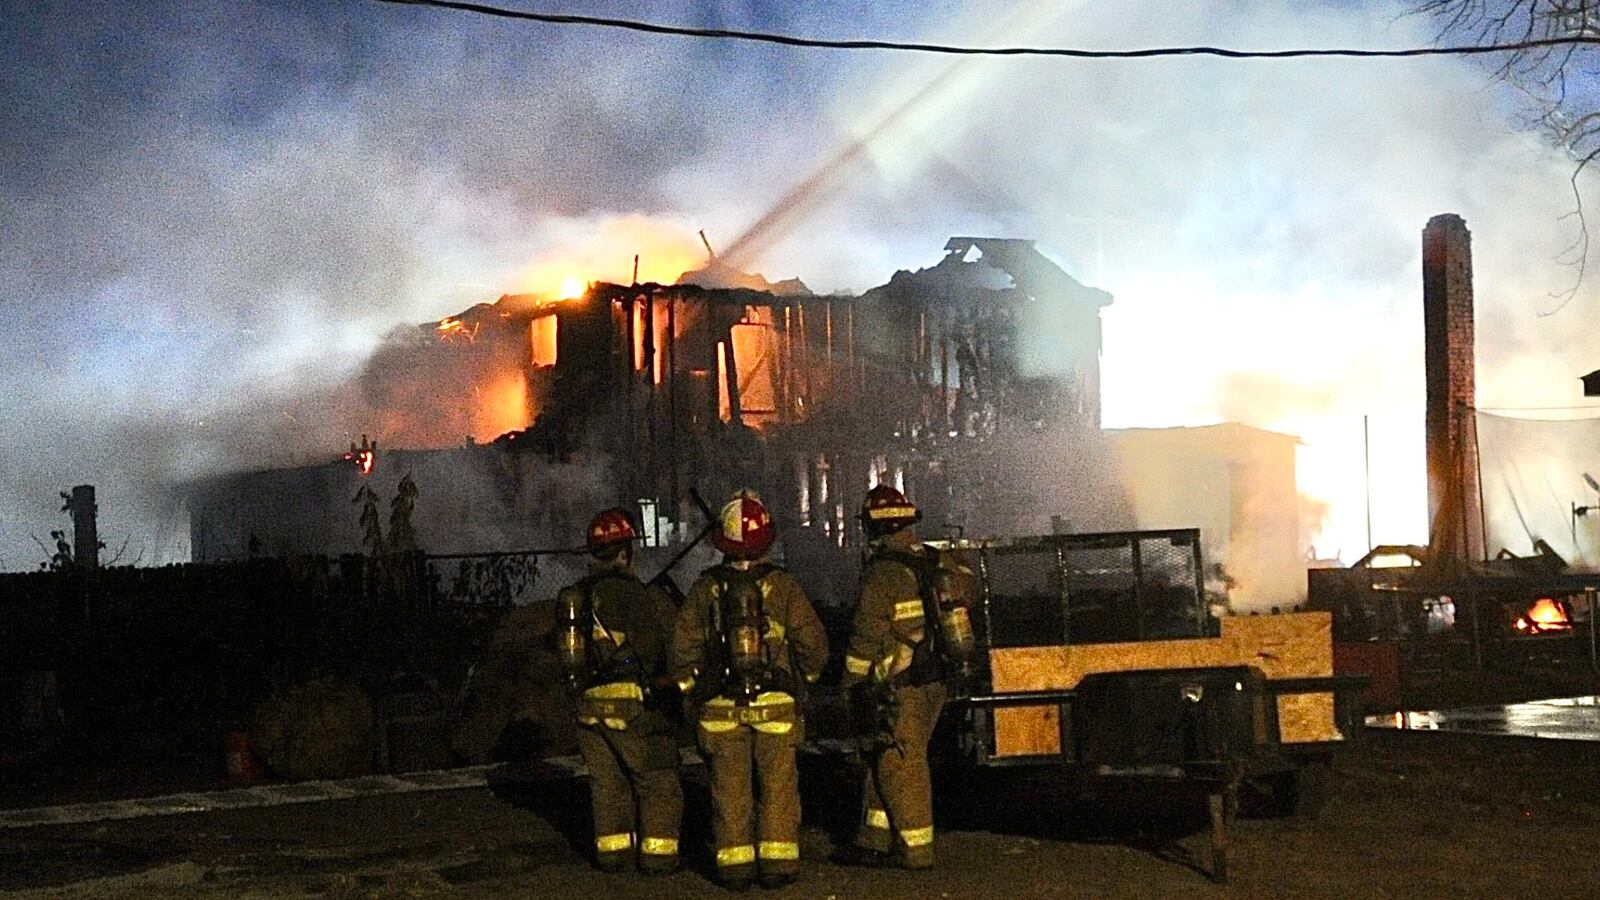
x=927 y=655
x=613 y=691
x=744 y=640
x=609 y=661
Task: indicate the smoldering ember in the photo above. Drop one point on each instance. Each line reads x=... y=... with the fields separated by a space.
x=971 y=449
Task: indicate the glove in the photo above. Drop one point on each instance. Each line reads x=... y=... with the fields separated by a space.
x=868 y=707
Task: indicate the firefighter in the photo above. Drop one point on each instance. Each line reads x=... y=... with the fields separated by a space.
x=613 y=643
x=910 y=641
x=746 y=645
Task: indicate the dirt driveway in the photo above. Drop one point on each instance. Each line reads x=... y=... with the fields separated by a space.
x=1410 y=815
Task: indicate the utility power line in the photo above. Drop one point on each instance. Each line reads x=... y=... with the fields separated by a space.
x=789 y=40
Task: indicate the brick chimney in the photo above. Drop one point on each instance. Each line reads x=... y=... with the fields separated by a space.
x=85 y=533
x=1455 y=532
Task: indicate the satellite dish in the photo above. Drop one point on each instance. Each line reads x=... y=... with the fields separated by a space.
x=1589 y=479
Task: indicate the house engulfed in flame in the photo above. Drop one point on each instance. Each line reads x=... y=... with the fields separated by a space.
x=973 y=384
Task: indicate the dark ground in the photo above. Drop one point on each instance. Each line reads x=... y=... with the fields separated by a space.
x=1407 y=815
x=1414 y=815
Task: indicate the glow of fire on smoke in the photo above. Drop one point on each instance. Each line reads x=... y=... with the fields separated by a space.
x=500 y=406
x=587 y=251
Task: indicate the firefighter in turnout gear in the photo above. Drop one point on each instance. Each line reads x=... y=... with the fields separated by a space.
x=910 y=641
x=613 y=643
x=746 y=645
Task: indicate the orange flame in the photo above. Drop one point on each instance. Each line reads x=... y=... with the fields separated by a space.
x=363 y=457
x=501 y=406
x=603 y=250
x=1544 y=615
x=543 y=340
x=451 y=328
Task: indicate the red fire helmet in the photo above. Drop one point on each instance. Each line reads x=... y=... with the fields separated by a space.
x=609 y=527
x=745 y=530
x=886 y=510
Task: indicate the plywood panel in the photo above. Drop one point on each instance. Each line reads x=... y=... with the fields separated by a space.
x=1303 y=718
x=1289 y=645
x=1027 y=731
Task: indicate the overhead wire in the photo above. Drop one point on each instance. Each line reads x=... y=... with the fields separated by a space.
x=790 y=40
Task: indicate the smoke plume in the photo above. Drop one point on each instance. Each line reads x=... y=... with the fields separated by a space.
x=214 y=213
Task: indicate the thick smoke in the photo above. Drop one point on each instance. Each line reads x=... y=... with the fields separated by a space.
x=202 y=231
x=214 y=213
x=1258 y=223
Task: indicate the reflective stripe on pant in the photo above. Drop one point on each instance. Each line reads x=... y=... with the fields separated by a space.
x=897 y=796
x=623 y=765
x=755 y=800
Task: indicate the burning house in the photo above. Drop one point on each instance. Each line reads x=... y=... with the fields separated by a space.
x=974 y=384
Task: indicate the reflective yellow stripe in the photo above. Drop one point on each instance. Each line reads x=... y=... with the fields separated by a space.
x=686 y=684
x=892 y=512
x=771 y=712
x=659 y=846
x=615 y=637
x=712 y=723
x=774 y=699
x=775 y=629
x=611 y=843
x=616 y=690
x=855 y=665
x=877 y=818
x=918 y=837
x=907 y=609
x=780 y=850
x=741 y=855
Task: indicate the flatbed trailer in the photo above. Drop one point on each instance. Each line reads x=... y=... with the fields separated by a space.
x=1098 y=654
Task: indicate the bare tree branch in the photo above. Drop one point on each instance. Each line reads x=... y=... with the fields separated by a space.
x=1539 y=74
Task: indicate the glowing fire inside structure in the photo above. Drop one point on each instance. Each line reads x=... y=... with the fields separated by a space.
x=519 y=416
x=1544 y=616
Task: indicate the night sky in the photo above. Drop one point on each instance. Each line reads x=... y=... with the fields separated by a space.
x=210 y=209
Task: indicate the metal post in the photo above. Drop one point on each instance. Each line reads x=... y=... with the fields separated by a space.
x=674 y=426
x=1477 y=631
x=1592 y=595
x=1217 y=803
x=650 y=411
x=1064 y=572
x=1366 y=477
